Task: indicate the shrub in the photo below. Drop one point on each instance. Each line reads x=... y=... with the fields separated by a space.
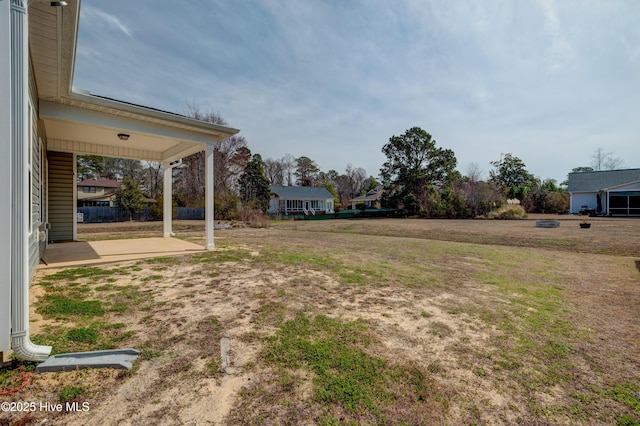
x=509 y=211
x=254 y=218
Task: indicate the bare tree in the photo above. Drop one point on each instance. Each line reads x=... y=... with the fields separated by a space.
x=230 y=158
x=356 y=177
x=288 y=168
x=474 y=173
x=152 y=179
x=212 y=117
x=601 y=160
x=274 y=170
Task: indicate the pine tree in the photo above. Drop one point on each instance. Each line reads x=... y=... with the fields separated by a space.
x=129 y=197
x=254 y=185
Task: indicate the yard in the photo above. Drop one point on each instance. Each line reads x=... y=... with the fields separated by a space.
x=351 y=322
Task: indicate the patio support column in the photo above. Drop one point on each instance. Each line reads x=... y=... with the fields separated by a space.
x=208 y=187
x=21 y=343
x=167 y=200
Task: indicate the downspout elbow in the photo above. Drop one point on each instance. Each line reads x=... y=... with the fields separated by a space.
x=25 y=349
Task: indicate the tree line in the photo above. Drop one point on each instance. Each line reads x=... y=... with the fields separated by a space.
x=418 y=176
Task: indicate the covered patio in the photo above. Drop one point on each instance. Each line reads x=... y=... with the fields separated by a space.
x=86 y=124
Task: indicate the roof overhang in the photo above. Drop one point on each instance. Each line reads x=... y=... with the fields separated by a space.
x=86 y=124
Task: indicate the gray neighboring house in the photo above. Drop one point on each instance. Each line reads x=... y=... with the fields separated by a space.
x=305 y=200
x=609 y=192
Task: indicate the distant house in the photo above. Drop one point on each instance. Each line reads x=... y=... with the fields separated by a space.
x=609 y=192
x=97 y=192
x=307 y=200
x=100 y=193
x=371 y=200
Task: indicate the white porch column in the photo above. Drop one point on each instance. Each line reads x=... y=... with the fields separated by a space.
x=22 y=345
x=167 y=200
x=208 y=187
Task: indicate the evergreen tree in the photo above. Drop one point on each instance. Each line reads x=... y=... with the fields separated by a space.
x=129 y=197
x=254 y=185
x=414 y=165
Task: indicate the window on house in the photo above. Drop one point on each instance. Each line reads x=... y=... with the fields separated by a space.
x=89 y=189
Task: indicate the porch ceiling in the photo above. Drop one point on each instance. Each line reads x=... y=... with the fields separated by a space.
x=87 y=124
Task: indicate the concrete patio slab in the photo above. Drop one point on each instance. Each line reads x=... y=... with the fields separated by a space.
x=82 y=253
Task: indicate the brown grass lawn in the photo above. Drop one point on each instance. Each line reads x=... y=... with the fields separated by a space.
x=352 y=322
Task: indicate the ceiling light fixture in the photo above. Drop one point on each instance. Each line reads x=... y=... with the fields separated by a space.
x=58 y=3
x=123 y=136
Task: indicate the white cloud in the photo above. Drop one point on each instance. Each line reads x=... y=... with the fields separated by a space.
x=560 y=50
x=91 y=16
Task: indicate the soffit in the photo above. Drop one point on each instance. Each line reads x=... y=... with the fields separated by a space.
x=52 y=41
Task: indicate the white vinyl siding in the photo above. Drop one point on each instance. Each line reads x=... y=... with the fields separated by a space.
x=34 y=180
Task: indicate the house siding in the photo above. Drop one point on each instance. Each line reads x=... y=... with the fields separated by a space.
x=588 y=199
x=36 y=171
x=61 y=205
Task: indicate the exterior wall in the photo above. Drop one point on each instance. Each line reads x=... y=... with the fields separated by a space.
x=36 y=169
x=583 y=199
x=273 y=205
x=5 y=175
x=61 y=196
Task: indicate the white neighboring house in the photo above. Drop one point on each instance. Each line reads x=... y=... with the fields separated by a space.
x=297 y=200
x=608 y=192
x=44 y=124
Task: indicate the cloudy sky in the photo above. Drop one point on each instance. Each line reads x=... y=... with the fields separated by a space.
x=548 y=81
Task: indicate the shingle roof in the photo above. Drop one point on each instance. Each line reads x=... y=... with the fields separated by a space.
x=301 y=192
x=104 y=183
x=596 y=181
x=373 y=195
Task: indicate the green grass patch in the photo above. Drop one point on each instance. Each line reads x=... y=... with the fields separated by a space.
x=222 y=254
x=83 y=335
x=68 y=393
x=61 y=307
x=85 y=272
x=344 y=374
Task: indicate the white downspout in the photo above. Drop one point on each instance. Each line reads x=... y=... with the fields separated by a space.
x=167 y=197
x=21 y=343
x=5 y=175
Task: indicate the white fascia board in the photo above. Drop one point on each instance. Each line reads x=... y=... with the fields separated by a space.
x=171 y=119
x=5 y=175
x=621 y=187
